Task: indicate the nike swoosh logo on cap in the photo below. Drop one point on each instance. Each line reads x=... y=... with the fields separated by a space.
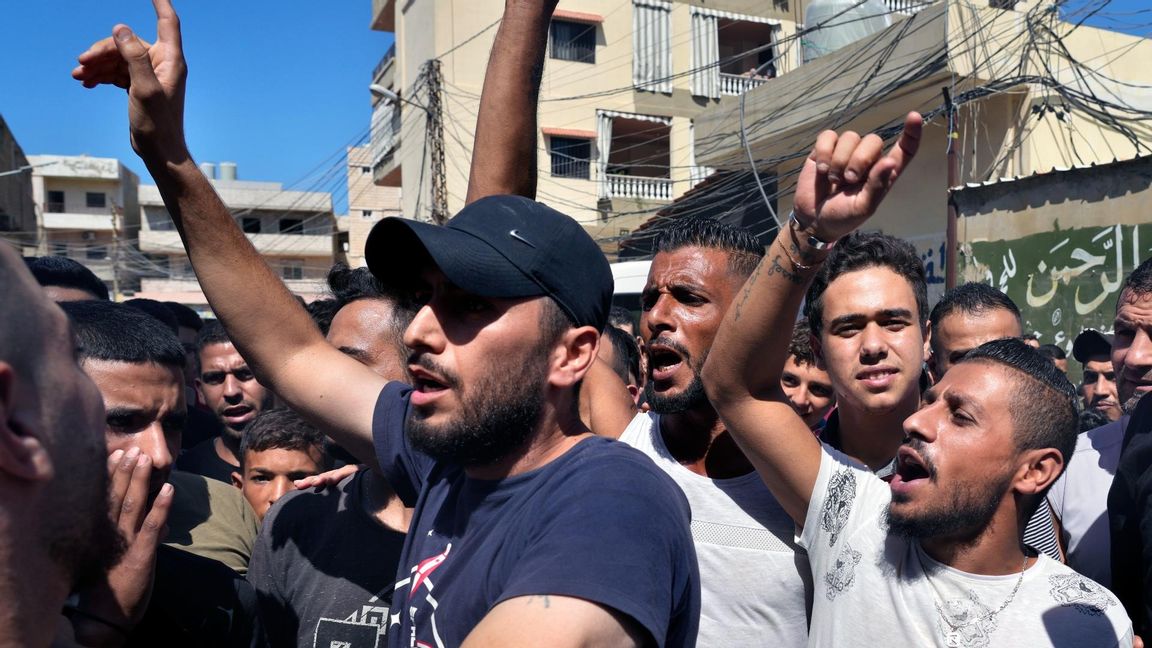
x=516 y=235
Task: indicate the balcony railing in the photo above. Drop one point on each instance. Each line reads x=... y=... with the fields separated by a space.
x=54 y=207
x=385 y=132
x=907 y=6
x=384 y=63
x=738 y=84
x=625 y=186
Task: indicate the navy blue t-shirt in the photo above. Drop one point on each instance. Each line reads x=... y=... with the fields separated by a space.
x=600 y=523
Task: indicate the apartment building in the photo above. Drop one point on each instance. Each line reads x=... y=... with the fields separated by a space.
x=87 y=210
x=367 y=204
x=293 y=230
x=17 y=207
x=624 y=81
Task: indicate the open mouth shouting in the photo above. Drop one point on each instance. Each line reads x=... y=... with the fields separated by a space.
x=665 y=357
x=427 y=385
x=912 y=471
x=238 y=414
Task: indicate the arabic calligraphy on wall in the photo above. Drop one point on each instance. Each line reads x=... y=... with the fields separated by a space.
x=1064 y=280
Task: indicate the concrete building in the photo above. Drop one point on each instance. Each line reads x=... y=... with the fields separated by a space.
x=88 y=211
x=1030 y=94
x=293 y=230
x=623 y=84
x=367 y=204
x=17 y=207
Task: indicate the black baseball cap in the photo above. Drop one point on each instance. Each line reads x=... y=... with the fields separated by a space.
x=1091 y=344
x=502 y=247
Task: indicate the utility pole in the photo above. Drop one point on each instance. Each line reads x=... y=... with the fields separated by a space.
x=115 y=252
x=434 y=140
x=951 y=251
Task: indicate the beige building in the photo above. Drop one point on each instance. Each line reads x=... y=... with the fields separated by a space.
x=623 y=84
x=17 y=207
x=88 y=210
x=367 y=204
x=1032 y=94
x=293 y=230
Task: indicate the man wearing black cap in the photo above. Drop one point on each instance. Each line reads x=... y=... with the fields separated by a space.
x=1093 y=350
x=524 y=522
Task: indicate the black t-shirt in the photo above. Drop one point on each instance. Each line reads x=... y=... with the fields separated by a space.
x=203 y=460
x=1130 y=519
x=600 y=523
x=323 y=569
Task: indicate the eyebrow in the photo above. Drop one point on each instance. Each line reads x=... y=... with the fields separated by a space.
x=354 y=352
x=886 y=313
x=957 y=401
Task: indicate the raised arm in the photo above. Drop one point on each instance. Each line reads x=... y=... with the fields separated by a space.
x=265 y=322
x=504 y=152
x=841 y=185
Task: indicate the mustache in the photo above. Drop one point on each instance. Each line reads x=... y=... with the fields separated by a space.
x=921 y=449
x=426 y=363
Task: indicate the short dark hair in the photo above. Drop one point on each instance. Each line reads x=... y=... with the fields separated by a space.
x=281 y=428
x=1140 y=281
x=212 y=333
x=626 y=354
x=1052 y=352
x=1044 y=413
x=349 y=284
x=322 y=312
x=114 y=332
x=744 y=251
x=155 y=309
x=800 y=347
x=66 y=273
x=185 y=316
x=972 y=299
x=620 y=316
x=860 y=251
x=1030 y=335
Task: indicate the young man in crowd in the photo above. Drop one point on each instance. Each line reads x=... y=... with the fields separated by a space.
x=277 y=449
x=619 y=350
x=805 y=383
x=55 y=528
x=934 y=557
x=1093 y=350
x=312 y=583
x=966 y=317
x=230 y=391
x=513 y=298
x=752 y=579
x=137 y=364
x=1056 y=355
x=63 y=279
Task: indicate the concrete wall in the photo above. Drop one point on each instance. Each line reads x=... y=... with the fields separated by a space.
x=17 y=207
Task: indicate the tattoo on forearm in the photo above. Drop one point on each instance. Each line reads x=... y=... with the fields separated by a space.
x=779 y=269
x=747 y=291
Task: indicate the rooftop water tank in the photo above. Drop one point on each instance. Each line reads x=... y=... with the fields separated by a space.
x=836 y=23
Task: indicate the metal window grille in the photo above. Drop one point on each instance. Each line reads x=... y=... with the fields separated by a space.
x=570 y=157
x=573 y=41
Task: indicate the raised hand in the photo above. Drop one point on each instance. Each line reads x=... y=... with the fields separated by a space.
x=121 y=599
x=329 y=478
x=154 y=75
x=846 y=177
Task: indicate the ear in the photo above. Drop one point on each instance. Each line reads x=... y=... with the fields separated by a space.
x=1038 y=469
x=573 y=355
x=237 y=480
x=22 y=452
x=928 y=344
x=634 y=391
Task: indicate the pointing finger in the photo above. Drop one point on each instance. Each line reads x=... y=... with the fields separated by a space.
x=908 y=144
x=167 y=23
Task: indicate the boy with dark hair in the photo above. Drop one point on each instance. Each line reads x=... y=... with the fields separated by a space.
x=66 y=280
x=804 y=381
x=278 y=448
x=1056 y=355
x=966 y=317
x=619 y=317
x=622 y=354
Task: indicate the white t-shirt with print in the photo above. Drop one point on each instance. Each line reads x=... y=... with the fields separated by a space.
x=872 y=588
x=753 y=578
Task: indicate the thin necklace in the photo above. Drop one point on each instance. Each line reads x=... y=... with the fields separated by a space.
x=987 y=616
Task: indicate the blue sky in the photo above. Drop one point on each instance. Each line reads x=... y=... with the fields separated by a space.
x=280 y=87
x=277 y=87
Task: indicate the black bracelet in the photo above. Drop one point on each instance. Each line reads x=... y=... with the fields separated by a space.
x=71 y=611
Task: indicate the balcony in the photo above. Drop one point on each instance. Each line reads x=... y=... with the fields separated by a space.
x=907 y=7
x=738 y=84
x=626 y=186
x=73 y=221
x=384 y=65
x=384 y=15
x=303 y=245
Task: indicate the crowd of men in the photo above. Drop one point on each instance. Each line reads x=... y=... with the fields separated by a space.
x=466 y=444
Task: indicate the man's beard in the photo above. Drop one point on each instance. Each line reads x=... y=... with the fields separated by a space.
x=691 y=398
x=498 y=414
x=77 y=529
x=967 y=514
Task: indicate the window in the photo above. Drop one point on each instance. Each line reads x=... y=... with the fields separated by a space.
x=573 y=41
x=570 y=157
x=96 y=253
x=292 y=269
x=366 y=213
x=250 y=225
x=291 y=226
x=365 y=170
x=60 y=249
x=95 y=200
x=55 y=202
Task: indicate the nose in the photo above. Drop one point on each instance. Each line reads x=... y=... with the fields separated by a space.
x=801 y=399
x=659 y=316
x=1138 y=358
x=279 y=488
x=231 y=387
x=873 y=344
x=425 y=332
x=154 y=443
x=921 y=424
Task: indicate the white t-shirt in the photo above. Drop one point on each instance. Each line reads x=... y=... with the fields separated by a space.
x=873 y=588
x=1080 y=499
x=753 y=579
